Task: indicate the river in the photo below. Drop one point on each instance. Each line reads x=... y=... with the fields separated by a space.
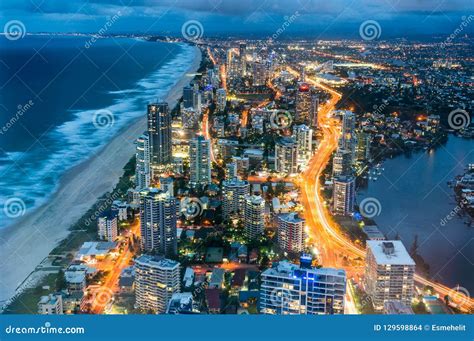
x=415 y=199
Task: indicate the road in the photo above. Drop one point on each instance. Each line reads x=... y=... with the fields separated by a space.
x=104 y=294
x=333 y=243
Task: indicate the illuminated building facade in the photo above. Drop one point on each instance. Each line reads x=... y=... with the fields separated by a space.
x=289 y=289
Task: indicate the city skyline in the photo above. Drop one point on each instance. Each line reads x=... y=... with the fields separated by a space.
x=320 y=167
x=340 y=19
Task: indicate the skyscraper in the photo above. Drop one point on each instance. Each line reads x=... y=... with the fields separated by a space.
x=259 y=74
x=221 y=99
x=286 y=156
x=156 y=280
x=289 y=289
x=348 y=141
x=142 y=169
x=188 y=97
x=254 y=216
x=291 y=232
x=363 y=146
x=159 y=133
x=303 y=103
x=389 y=273
x=342 y=163
x=243 y=58
x=158 y=222
x=313 y=112
x=200 y=161
x=304 y=141
x=234 y=192
x=343 y=195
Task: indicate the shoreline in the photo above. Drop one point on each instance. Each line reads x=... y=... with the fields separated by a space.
x=436 y=269
x=26 y=243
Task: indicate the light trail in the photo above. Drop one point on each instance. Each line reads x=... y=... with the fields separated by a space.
x=104 y=294
x=322 y=227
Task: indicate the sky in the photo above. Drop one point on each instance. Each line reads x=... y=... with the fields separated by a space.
x=316 y=18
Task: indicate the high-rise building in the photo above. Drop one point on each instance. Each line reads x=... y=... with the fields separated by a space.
x=158 y=216
x=342 y=163
x=190 y=118
x=167 y=185
x=242 y=163
x=143 y=169
x=221 y=99
x=286 y=156
x=313 y=112
x=363 y=146
x=188 y=95
x=348 y=141
x=303 y=103
x=343 y=195
x=243 y=58
x=159 y=133
x=389 y=273
x=259 y=74
x=254 y=216
x=291 y=232
x=231 y=171
x=289 y=289
x=234 y=192
x=107 y=226
x=304 y=141
x=197 y=99
x=200 y=161
x=156 y=280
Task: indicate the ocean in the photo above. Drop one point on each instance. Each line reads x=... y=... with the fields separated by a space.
x=62 y=98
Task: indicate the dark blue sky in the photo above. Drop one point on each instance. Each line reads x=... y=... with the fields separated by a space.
x=317 y=18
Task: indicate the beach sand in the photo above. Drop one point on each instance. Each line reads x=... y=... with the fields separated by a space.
x=26 y=243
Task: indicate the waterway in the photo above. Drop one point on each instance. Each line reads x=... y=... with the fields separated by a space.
x=416 y=200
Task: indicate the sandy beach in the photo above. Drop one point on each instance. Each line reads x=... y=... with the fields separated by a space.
x=26 y=243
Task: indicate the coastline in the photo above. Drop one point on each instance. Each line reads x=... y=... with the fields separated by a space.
x=26 y=243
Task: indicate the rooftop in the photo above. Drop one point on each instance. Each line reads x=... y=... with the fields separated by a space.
x=96 y=248
x=292 y=217
x=390 y=252
x=287 y=269
x=156 y=261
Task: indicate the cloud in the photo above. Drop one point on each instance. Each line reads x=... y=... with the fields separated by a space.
x=240 y=15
